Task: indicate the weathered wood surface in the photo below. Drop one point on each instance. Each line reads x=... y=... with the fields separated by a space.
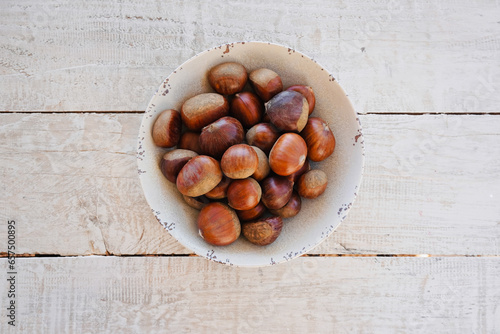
x=430 y=186
x=409 y=56
x=307 y=295
x=431 y=182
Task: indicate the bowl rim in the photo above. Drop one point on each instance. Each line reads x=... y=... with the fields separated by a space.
x=359 y=139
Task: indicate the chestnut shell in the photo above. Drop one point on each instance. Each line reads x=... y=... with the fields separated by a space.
x=228 y=78
x=218 y=224
x=203 y=109
x=239 y=161
x=198 y=176
x=253 y=213
x=263 y=232
x=266 y=83
x=197 y=203
x=173 y=161
x=291 y=209
x=218 y=136
x=288 y=111
x=247 y=108
x=167 y=128
x=288 y=154
x=262 y=135
x=244 y=194
x=263 y=168
x=319 y=139
x=190 y=141
x=312 y=184
x=308 y=94
x=276 y=191
x=220 y=190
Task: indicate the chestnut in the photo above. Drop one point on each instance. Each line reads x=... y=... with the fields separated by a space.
x=218 y=224
x=308 y=94
x=198 y=176
x=266 y=83
x=228 y=78
x=239 y=161
x=220 y=190
x=189 y=141
x=312 y=184
x=253 y=213
x=265 y=118
x=203 y=109
x=288 y=154
x=244 y=194
x=167 y=128
x=263 y=168
x=173 y=161
x=218 y=136
x=276 y=192
x=291 y=208
x=288 y=111
x=196 y=202
x=263 y=232
x=319 y=139
x=263 y=135
x=294 y=177
x=247 y=108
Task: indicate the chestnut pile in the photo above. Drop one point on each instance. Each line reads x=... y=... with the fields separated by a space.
x=242 y=153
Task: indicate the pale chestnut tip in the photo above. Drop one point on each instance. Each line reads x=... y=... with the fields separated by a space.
x=228 y=78
x=266 y=83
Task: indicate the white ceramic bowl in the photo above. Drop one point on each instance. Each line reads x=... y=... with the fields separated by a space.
x=319 y=217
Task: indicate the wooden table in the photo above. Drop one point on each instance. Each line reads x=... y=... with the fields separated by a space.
x=419 y=251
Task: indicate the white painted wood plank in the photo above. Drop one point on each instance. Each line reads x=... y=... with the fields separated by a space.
x=431 y=186
x=306 y=295
x=111 y=56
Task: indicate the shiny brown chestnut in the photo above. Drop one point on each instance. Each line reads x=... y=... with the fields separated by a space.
x=218 y=224
x=263 y=168
x=288 y=111
x=288 y=154
x=263 y=232
x=189 y=141
x=220 y=190
x=203 y=109
x=218 y=136
x=253 y=213
x=167 y=128
x=319 y=139
x=308 y=94
x=265 y=118
x=291 y=209
x=244 y=194
x=198 y=176
x=196 y=202
x=312 y=184
x=294 y=177
x=228 y=78
x=239 y=161
x=247 y=108
x=262 y=135
x=276 y=191
x=173 y=161
x=266 y=83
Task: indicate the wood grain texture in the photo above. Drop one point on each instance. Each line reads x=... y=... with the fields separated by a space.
x=409 y=56
x=430 y=186
x=307 y=295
